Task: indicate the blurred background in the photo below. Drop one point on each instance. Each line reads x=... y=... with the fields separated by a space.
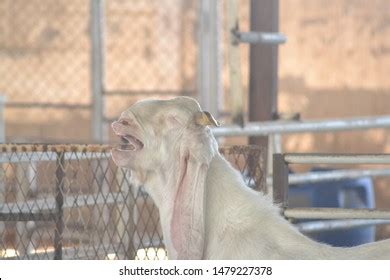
x=69 y=67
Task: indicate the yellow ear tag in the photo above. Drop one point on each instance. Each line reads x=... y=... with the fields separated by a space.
x=205 y=118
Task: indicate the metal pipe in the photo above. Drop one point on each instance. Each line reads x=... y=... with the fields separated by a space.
x=334 y=175
x=46 y=206
x=97 y=68
x=337 y=225
x=272 y=38
x=337 y=158
x=49 y=156
x=272 y=127
x=48 y=105
x=15 y=153
x=280 y=180
x=59 y=198
x=2 y=119
x=209 y=56
x=335 y=213
x=72 y=148
x=27 y=216
x=234 y=60
x=128 y=92
x=263 y=68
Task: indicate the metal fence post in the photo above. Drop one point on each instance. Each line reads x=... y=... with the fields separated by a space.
x=280 y=180
x=97 y=69
x=263 y=67
x=234 y=60
x=210 y=56
x=59 y=198
x=2 y=120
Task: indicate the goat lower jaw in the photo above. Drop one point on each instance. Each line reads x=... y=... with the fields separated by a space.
x=126 y=148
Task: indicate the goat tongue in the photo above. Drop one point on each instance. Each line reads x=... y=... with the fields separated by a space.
x=131 y=140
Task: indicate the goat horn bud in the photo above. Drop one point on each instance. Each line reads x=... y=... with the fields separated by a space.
x=205 y=118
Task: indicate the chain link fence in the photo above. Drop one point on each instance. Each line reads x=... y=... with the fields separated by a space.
x=72 y=202
x=44 y=69
x=149 y=50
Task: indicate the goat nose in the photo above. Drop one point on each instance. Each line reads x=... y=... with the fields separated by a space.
x=114 y=125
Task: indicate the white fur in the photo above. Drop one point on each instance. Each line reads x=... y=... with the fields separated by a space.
x=238 y=223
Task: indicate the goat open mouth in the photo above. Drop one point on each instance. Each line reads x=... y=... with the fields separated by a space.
x=130 y=143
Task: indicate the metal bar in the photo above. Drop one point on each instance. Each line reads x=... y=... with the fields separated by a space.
x=272 y=127
x=85 y=251
x=46 y=152
x=335 y=213
x=337 y=158
x=81 y=148
x=333 y=175
x=97 y=68
x=280 y=180
x=271 y=38
x=326 y=225
x=90 y=149
x=59 y=228
x=263 y=68
x=27 y=216
x=36 y=206
x=44 y=105
x=124 y=92
x=210 y=56
x=2 y=120
x=234 y=60
x=336 y=175
x=48 y=156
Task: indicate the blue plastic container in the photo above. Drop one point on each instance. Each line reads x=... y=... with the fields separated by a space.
x=357 y=193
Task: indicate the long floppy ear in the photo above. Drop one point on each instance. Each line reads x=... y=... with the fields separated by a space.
x=188 y=218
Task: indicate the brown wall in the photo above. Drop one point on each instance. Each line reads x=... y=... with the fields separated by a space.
x=336 y=64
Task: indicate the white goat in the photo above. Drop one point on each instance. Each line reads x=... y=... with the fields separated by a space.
x=206 y=210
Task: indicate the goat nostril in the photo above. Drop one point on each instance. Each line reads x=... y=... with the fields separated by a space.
x=124 y=122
